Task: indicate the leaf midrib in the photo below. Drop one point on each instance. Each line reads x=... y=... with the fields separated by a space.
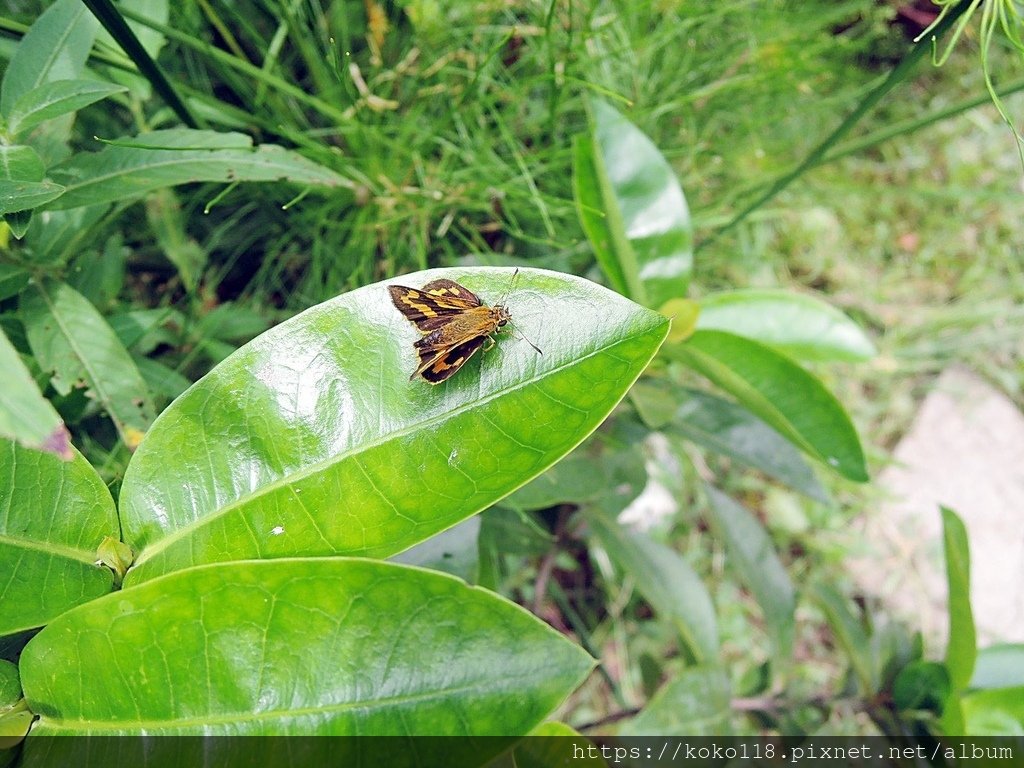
x=152 y=550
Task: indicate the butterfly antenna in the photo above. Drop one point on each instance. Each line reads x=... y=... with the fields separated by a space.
x=523 y=337
x=508 y=288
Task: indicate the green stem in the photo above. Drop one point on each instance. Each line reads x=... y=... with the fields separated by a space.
x=817 y=155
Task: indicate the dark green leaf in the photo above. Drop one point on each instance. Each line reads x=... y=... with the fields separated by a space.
x=795 y=323
x=633 y=210
x=53 y=515
x=921 y=685
x=25 y=415
x=328 y=646
x=12 y=280
x=55 y=48
x=666 y=581
x=726 y=428
x=961 y=650
x=312 y=439
x=751 y=553
x=695 y=703
x=56 y=236
x=72 y=340
x=179 y=156
x=22 y=195
x=791 y=400
x=54 y=99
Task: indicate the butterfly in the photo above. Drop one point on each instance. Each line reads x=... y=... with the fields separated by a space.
x=454 y=323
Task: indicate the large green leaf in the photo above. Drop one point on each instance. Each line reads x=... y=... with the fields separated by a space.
x=328 y=646
x=791 y=400
x=179 y=156
x=633 y=210
x=998 y=666
x=666 y=581
x=54 y=99
x=725 y=428
x=53 y=516
x=311 y=439
x=55 y=48
x=961 y=650
x=798 y=324
x=751 y=553
x=70 y=338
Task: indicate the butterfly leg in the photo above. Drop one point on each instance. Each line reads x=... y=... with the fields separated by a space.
x=489 y=343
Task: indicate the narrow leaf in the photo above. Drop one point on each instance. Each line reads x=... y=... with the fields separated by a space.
x=327 y=646
x=849 y=633
x=633 y=210
x=180 y=156
x=666 y=581
x=53 y=516
x=797 y=324
x=54 y=48
x=54 y=99
x=25 y=415
x=72 y=340
x=999 y=665
x=961 y=650
x=773 y=387
x=726 y=428
x=758 y=566
x=333 y=450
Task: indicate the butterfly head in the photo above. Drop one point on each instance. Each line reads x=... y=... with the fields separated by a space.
x=501 y=315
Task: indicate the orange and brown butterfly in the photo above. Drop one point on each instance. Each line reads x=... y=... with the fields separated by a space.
x=454 y=323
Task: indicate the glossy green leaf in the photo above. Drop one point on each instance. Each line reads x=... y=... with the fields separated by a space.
x=312 y=439
x=22 y=195
x=961 y=650
x=999 y=666
x=54 y=48
x=25 y=415
x=773 y=387
x=725 y=428
x=10 y=684
x=178 y=156
x=998 y=712
x=53 y=515
x=695 y=703
x=71 y=339
x=751 y=553
x=795 y=323
x=666 y=581
x=327 y=646
x=54 y=99
x=632 y=209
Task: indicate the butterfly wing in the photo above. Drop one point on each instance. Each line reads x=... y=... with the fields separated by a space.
x=433 y=305
x=439 y=363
